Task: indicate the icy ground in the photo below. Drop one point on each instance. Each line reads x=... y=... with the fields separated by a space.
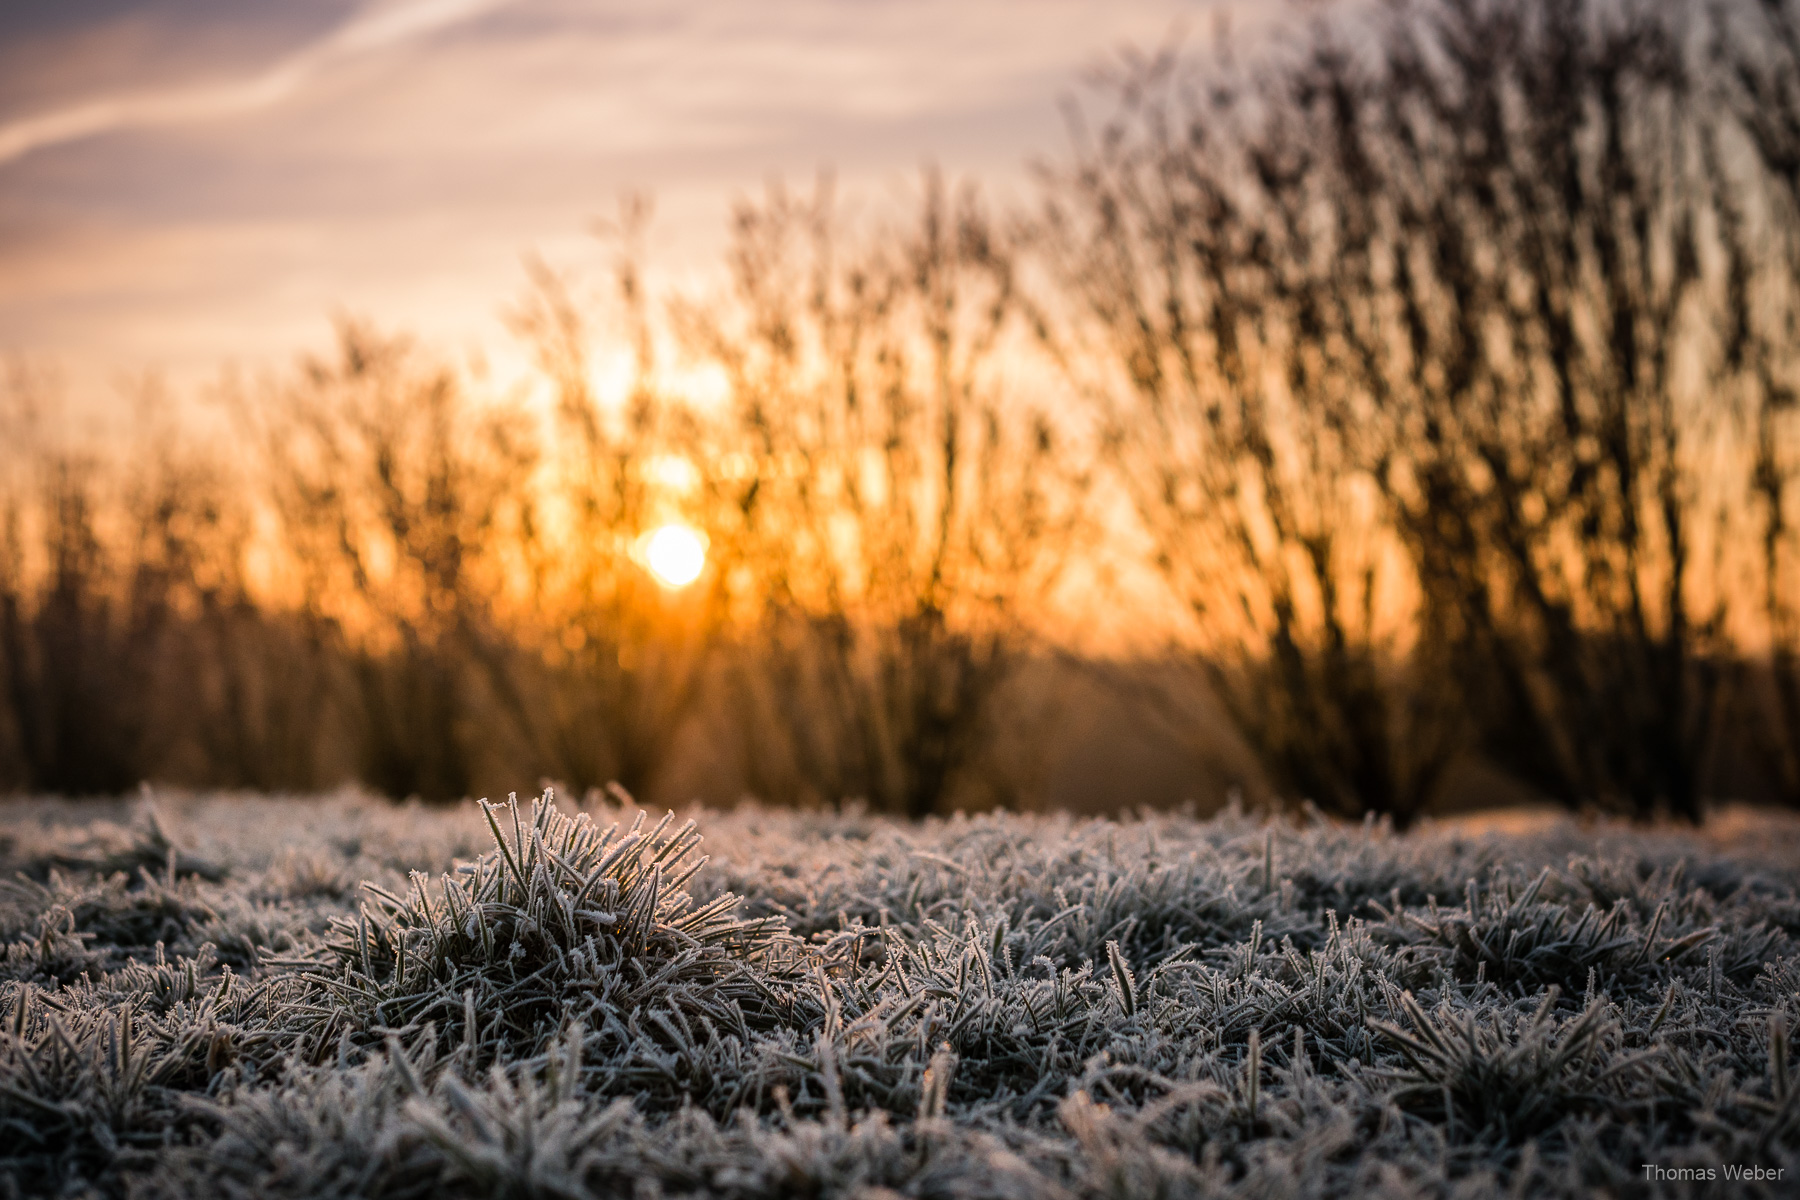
x=259 y=997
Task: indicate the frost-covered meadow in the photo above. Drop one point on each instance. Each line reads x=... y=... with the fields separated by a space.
x=228 y=995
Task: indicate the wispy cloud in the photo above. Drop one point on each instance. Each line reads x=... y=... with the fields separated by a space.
x=377 y=27
x=393 y=159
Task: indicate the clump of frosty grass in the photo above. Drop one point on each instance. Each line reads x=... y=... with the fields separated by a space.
x=336 y=997
x=561 y=926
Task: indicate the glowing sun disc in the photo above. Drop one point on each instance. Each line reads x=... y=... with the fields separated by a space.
x=675 y=555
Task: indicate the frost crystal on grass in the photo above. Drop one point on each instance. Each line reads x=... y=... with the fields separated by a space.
x=356 y=999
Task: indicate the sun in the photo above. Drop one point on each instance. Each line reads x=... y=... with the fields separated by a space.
x=675 y=555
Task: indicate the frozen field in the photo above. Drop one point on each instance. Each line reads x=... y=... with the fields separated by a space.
x=332 y=996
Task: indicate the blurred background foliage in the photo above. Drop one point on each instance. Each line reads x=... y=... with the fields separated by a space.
x=1435 y=369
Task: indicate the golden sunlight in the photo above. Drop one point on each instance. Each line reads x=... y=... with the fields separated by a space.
x=675 y=555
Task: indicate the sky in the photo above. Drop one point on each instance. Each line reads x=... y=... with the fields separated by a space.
x=193 y=185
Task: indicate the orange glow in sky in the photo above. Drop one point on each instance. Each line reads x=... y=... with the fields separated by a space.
x=200 y=183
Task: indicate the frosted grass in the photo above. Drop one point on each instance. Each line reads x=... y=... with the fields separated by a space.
x=332 y=996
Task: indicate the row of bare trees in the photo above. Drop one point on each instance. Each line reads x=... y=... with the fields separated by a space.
x=430 y=591
x=1443 y=358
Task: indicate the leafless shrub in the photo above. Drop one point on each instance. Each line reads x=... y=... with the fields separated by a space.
x=1205 y=238
x=619 y=663
x=1757 y=51
x=892 y=520
x=111 y=566
x=391 y=491
x=1424 y=350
